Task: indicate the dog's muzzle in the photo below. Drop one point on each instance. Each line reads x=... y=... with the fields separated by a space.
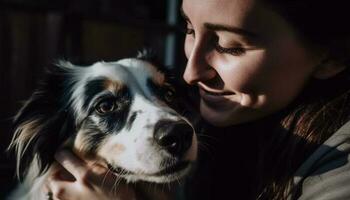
x=173 y=136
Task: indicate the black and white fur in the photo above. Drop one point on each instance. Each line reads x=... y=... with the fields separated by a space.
x=125 y=114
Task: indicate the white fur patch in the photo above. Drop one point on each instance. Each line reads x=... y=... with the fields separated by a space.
x=131 y=148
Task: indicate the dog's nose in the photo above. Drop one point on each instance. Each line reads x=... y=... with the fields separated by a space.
x=173 y=136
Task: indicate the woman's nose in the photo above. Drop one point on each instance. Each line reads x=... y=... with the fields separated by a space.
x=198 y=68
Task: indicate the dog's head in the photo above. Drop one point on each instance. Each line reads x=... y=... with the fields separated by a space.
x=127 y=114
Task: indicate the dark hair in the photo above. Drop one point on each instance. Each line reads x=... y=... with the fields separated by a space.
x=323 y=106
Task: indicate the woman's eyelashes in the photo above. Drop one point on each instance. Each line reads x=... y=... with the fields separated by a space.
x=188 y=30
x=235 y=51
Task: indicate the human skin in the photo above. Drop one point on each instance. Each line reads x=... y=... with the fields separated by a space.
x=73 y=178
x=246 y=60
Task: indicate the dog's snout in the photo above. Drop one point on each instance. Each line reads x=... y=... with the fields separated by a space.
x=173 y=136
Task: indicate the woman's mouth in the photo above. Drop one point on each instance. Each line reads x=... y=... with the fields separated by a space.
x=218 y=99
x=205 y=90
x=218 y=93
x=214 y=97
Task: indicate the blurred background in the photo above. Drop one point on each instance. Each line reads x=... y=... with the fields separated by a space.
x=36 y=33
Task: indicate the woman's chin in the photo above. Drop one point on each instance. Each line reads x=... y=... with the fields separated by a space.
x=233 y=115
x=217 y=117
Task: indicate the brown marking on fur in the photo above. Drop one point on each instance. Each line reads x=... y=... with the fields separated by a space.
x=26 y=131
x=81 y=145
x=113 y=149
x=23 y=136
x=157 y=77
x=118 y=148
x=113 y=86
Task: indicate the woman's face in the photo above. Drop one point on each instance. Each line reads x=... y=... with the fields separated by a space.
x=246 y=60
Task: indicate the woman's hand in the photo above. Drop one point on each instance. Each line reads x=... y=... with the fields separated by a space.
x=75 y=179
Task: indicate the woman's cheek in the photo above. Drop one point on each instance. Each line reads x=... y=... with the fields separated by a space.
x=245 y=74
x=188 y=46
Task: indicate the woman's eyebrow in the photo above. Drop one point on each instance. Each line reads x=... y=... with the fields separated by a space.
x=219 y=27
x=232 y=29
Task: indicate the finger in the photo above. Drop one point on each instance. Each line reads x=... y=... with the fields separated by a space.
x=72 y=164
x=60 y=187
x=63 y=190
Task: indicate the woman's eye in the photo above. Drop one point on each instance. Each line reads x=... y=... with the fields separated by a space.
x=189 y=31
x=106 y=106
x=236 y=51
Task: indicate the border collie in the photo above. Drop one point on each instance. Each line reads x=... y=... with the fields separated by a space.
x=127 y=114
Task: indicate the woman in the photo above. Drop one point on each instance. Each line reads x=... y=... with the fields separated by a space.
x=273 y=75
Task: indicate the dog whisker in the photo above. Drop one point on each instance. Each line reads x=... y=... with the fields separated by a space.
x=169 y=186
x=115 y=111
x=178 y=181
x=115 y=185
x=202 y=135
x=104 y=178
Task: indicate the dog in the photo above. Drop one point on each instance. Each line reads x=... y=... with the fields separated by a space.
x=128 y=114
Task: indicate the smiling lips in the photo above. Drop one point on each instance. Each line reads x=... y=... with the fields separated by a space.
x=217 y=99
x=214 y=92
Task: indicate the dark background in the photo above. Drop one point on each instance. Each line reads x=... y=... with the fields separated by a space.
x=36 y=33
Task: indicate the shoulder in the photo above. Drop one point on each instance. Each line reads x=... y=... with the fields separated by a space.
x=326 y=173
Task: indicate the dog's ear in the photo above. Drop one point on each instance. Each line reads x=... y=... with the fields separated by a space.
x=151 y=56
x=44 y=122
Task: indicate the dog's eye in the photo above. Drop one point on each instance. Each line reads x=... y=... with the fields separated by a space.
x=169 y=94
x=106 y=106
